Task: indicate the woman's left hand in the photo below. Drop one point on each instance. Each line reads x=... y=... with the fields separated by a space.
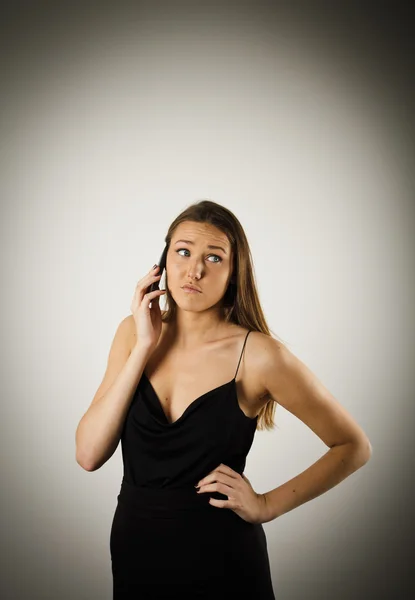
x=242 y=498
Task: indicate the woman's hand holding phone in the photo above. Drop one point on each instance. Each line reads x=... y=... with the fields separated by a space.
x=148 y=320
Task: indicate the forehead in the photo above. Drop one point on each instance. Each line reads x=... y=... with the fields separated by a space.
x=200 y=232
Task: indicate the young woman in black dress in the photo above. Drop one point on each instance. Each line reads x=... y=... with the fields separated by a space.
x=185 y=391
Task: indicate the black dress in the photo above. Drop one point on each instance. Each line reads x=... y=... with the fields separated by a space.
x=166 y=540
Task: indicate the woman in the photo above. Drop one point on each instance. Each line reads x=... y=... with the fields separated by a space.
x=185 y=392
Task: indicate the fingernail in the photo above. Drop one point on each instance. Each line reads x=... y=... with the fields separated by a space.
x=154 y=266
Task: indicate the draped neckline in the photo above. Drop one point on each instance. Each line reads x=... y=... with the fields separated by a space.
x=197 y=400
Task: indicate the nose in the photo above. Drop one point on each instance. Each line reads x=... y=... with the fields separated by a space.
x=194 y=271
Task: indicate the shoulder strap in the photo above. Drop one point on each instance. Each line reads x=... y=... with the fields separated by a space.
x=241 y=353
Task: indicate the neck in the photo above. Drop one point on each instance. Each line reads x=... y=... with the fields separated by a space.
x=193 y=330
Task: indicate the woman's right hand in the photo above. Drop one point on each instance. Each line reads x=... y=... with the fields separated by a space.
x=147 y=320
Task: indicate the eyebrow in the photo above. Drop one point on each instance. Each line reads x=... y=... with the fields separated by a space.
x=209 y=246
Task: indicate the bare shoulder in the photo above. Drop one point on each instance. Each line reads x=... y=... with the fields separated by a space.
x=264 y=341
x=117 y=357
x=265 y=350
x=278 y=369
x=265 y=353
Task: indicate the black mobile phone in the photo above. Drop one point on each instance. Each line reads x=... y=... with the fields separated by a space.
x=162 y=264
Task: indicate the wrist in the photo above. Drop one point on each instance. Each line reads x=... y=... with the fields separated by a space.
x=267 y=512
x=142 y=350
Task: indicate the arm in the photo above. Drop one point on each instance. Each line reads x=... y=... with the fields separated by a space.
x=99 y=431
x=291 y=383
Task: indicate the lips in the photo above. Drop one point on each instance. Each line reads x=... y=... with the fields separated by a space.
x=191 y=287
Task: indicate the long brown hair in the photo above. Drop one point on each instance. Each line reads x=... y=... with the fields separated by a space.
x=241 y=303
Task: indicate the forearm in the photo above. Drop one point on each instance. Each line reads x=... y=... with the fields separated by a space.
x=333 y=467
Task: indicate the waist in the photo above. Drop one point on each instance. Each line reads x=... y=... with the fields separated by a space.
x=166 y=500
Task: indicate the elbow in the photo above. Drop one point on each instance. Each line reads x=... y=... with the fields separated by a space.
x=366 y=448
x=362 y=451
x=359 y=452
x=83 y=455
x=87 y=466
x=84 y=466
x=91 y=461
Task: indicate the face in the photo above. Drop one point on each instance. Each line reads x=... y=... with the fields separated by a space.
x=191 y=260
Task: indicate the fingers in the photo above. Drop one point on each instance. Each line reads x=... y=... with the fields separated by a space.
x=144 y=283
x=147 y=298
x=153 y=294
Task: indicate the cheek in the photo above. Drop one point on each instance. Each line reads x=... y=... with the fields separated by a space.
x=175 y=267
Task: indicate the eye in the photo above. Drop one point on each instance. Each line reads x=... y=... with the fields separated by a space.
x=215 y=261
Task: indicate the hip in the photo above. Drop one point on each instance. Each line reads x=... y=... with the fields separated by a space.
x=175 y=535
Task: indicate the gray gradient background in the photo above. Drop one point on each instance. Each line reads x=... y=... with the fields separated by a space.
x=113 y=119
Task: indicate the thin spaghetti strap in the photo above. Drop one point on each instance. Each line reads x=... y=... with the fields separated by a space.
x=241 y=354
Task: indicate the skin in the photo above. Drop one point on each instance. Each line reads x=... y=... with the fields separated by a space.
x=199 y=316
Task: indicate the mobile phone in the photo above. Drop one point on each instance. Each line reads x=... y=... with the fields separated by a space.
x=162 y=264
